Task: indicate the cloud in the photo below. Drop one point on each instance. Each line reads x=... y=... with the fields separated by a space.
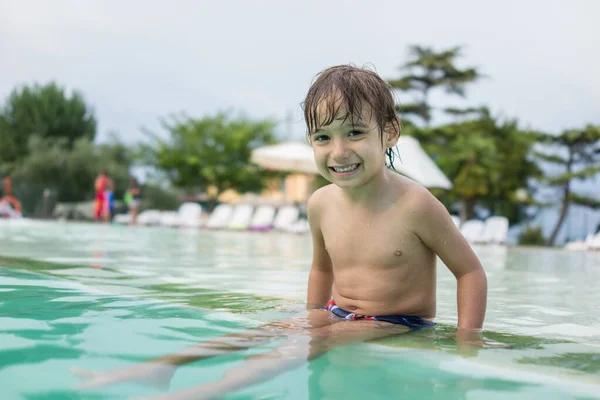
x=136 y=61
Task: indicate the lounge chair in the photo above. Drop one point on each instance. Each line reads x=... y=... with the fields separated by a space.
x=220 y=217
x=472 y=230
x=149 y=217
x=263 y=219
x=124 y=219
x=580 y=245
x=242 y=215
x=188 y=216
x=169 y=218
x=495 y=230
x=300 y=226
x=594 y=242
x=286 y=217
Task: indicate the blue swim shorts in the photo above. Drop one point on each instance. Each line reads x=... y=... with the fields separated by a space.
x=410 y=321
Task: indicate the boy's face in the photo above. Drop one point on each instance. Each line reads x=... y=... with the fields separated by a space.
x=350 y=153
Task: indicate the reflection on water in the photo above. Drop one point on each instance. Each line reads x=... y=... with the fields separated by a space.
x=111 y=311
x=532 y=291
x=48 y=326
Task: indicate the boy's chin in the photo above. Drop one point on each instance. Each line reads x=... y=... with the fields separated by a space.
x=344 y=184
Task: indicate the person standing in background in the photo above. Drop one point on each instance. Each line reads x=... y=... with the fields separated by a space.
x=100 y=200
x=110 y=199
x=132 y=199
x=9 y=205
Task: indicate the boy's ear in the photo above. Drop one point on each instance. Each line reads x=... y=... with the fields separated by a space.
x=392 y=134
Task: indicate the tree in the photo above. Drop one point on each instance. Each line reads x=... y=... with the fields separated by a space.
x=428 y=70
x=211 y=154
x=485 y=158
x=42 y=111
x=68 y=171
x=577 y=152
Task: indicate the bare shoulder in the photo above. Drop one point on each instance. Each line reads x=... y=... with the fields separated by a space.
x=419 y=204
x=320 y=198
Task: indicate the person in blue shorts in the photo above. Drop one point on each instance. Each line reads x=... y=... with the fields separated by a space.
x=376 y=237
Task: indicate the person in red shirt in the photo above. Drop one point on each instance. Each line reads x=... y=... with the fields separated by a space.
x=100 y=200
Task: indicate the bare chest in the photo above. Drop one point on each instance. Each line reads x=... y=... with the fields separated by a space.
x=382 y=240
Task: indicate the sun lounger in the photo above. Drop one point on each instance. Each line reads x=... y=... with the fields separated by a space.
x=594 y=243
x=124 y=219
x=286 y=217
x=580 y=245
x=149 y=217
x=189 y=215
x=220 y=217
x=263 y=219
x=472 y=230
x=242 y=215
x=495 y=230
x=300 y=226
x=169 y=218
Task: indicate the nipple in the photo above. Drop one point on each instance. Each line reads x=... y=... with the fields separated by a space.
x=398 y=253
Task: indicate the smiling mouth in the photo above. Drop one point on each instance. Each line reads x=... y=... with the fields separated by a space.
x=346 y=168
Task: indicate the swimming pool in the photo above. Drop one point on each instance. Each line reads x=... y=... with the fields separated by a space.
x=98 y=297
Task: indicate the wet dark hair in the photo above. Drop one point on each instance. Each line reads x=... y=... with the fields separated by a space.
x=349 y=87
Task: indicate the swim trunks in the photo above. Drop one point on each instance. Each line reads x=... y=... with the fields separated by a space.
x=410 y=321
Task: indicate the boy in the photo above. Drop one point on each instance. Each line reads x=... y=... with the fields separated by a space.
x=375 y=236
x=377 y=232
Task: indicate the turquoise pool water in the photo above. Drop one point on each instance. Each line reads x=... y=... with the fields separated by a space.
x=100 y=297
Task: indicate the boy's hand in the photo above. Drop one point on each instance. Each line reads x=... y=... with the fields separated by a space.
x=470 y=337
x=469 y=341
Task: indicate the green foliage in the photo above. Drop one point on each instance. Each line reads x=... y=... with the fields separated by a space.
x=427 y=70
x=577 y=153
x=532 y=236
x=157 y=198
x=43 y=111
x=485 y=158
x=68 y=171
x=211 y=152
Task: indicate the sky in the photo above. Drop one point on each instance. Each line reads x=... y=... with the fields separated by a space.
x=137 y=61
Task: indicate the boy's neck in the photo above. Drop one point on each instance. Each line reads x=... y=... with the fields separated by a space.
x=373 y=191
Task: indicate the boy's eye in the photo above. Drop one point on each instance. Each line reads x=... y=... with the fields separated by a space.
x=355 y=133
x=320 y=138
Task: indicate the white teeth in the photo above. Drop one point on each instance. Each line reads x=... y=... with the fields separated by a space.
x=346 y=169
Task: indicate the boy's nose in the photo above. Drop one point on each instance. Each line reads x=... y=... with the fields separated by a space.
x=340 y=151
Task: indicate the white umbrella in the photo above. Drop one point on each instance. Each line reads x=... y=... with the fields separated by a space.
x=417 y=165
x=298 y=157
x=286 y=156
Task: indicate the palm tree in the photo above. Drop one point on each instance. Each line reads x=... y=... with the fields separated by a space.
x=427 y=70
x=579 y=155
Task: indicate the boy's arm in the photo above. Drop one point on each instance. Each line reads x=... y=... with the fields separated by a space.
x=320 y=280
x=436 y=229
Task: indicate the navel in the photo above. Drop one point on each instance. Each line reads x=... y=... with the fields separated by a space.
x=398 y=253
